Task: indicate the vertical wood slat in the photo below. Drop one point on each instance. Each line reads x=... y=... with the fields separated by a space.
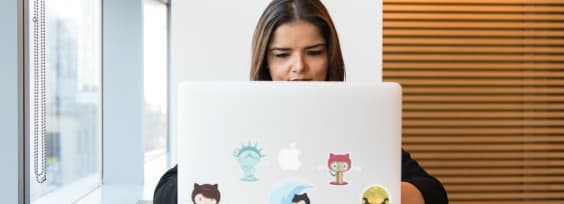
x=483 y=94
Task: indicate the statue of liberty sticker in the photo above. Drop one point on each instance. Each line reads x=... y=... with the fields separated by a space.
x=248 y=156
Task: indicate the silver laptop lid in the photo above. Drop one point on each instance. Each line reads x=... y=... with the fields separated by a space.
x=274 y=142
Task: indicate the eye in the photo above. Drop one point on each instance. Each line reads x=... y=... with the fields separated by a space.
x=334 y=165
x=345 y=165
x=281 y=55
x=314 y=52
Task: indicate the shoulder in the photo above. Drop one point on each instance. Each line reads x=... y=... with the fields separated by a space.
x=166 y=189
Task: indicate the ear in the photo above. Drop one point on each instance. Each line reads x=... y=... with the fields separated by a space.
x=215 y=186
x=347 y=155
x=196 y=185
x=331 y=155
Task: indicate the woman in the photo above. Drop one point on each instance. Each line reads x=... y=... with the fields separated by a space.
x=276 y=28
x=295 y=40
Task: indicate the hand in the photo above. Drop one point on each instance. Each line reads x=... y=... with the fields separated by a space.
x=410 y=194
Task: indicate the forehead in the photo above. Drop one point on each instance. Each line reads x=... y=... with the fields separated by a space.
x=296 y=34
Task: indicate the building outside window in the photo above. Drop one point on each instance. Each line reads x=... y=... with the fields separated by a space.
x=155 y=91
x=73 y=101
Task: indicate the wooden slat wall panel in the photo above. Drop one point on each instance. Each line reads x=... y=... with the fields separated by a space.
x=483 y=84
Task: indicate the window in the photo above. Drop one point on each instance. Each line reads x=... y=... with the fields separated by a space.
x=73 y=101
x=155 y=87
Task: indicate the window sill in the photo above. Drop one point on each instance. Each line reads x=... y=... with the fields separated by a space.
x=72 y=192
x=114 y=194
x=155 y=167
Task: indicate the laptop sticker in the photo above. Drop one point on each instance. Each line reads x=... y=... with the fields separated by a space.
x=375 y=194
x=289 y=158
x=338 y=165
x=290 y=192
x=248 y=156
x=205 y=194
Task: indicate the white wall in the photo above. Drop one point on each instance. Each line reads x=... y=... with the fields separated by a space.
x=10 y=120
x=211 y=40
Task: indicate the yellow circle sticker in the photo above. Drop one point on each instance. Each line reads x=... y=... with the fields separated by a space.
x=375 y=195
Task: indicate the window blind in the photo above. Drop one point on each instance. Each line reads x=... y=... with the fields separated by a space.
x=483 y=84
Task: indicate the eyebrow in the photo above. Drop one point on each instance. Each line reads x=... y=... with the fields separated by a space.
x=315 y=46
x=306 y=48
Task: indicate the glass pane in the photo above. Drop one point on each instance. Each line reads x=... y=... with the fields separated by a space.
x=155 y=86
x=73 y=101
x=155 y=74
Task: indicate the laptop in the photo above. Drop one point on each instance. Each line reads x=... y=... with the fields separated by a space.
x=289 y=142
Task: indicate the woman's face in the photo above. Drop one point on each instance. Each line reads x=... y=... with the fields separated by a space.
x=297 y=52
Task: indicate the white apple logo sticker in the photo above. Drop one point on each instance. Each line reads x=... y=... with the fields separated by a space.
x=288 y=158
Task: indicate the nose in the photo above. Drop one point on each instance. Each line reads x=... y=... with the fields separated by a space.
x=299 y=65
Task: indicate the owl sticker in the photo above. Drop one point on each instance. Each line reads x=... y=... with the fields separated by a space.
x=205 y=194
x=338 y=165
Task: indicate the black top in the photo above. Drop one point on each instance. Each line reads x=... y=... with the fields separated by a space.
x=431 y=188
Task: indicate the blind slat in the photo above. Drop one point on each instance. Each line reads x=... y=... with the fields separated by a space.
x=481 y=114
x=476 y=82
x=486 y=147
x=473 y=57
x=471 y=25
x=474 y=16
x=515 y=123
x=497 y=171
x=468 y=163
x=483 y=98
x=509 y=195
x=502 y=187
x=486 y=155
x=515 y=200
x=505 y=179
x=473 y=33
x=489 y=139
x=506 y=40
x=485 y=90
x=482 y=74
x=481 y=2
x=472 y=66
x=473 y=49
x=472 y=8
x=483 y=131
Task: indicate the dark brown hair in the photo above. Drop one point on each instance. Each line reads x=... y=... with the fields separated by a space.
x=279 y=12
x=207 y=190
